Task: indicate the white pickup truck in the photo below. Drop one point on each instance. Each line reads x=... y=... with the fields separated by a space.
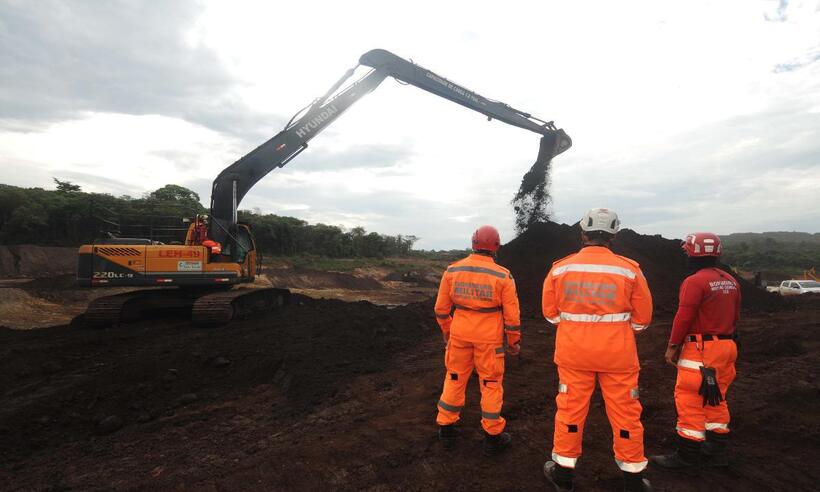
x=794 y=287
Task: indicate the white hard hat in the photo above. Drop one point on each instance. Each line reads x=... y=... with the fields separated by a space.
x=601 y=219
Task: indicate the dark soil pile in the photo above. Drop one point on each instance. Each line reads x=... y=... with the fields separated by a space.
x=62 y=383
x=530 y=256
x=327 y=395
x=305 y=278
x=36 y=261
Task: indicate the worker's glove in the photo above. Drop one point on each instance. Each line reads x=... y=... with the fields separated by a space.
x=709 y=387
x=446 y=336
x=514 y=348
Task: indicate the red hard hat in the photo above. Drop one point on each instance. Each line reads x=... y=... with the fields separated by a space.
x=486 y=238
x=702 y=244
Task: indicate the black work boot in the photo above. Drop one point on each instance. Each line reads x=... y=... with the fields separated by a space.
x=447 y=435
x=634 y=482
x=497 y=443
x=714 y=450
x=687 y=454
x=559 y=476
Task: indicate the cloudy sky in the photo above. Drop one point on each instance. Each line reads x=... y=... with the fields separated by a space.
x=684 y=115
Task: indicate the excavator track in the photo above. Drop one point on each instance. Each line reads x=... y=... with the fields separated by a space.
x=222 y=307
x=130 y=306
x=206 y=308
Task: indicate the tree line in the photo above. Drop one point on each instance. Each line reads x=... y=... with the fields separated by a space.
x=68 y=216
x=786 y=252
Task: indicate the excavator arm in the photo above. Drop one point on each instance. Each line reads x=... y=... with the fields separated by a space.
x=235 y=181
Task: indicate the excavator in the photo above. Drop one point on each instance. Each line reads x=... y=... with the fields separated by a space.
x=219 y=252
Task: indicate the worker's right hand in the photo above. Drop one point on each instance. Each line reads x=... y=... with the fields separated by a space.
x=671 y=355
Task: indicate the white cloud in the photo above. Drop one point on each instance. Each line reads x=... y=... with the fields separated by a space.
x=671 y=105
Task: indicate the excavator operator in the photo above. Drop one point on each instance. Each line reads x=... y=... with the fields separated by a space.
x=477 y=307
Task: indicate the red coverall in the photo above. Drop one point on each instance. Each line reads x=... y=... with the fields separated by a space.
x=597 y=299
x=476 y=305
x=705 y=322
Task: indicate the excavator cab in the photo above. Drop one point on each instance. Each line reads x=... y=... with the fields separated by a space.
x=241 y=249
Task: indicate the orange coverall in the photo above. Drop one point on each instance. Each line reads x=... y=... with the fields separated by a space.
x=597 y=299
x=708 y=312
x=476 y=305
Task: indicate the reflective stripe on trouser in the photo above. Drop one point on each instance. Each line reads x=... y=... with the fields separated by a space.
x=694 y=419
x=488 y=360
x=622 y=407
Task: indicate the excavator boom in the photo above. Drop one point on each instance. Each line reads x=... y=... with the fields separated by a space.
x=219 y=252
x=232 y=184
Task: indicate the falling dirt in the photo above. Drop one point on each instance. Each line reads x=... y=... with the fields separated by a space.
x=332 y=395
x=533 y=198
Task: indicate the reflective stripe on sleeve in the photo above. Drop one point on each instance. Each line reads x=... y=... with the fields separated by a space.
x=596 y=318
x=448 y=407
x=491 y=415
x=637 y=327
x=475 y=269
x=554 y=320
x=631 y=467
x=499 y=350
x=590 y=268
x=691 y=433
x=442 y=316
x=689 y=364
x=564 y=460
x=712 y=426
x=512 y=328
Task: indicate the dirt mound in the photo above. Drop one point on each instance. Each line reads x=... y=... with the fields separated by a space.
x=530 y=256
x=17 y=306
x=305 y=278
x=36 y=261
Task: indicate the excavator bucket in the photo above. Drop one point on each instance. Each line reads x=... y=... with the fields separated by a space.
x=553 y=144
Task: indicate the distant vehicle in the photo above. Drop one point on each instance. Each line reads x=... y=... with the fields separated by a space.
x=795 y=287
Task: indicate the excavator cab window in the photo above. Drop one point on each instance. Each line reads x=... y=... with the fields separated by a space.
x=244 y=244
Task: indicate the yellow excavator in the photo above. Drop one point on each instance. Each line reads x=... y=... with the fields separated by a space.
x=219 y=252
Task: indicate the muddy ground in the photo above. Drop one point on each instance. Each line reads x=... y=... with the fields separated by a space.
x=334 y=395
x=331 y=394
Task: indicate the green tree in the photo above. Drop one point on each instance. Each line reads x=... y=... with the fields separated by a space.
x=66 y=186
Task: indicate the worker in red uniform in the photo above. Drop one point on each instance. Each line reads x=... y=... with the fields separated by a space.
x=477 y=309
x=598 y=300
x=703 y=332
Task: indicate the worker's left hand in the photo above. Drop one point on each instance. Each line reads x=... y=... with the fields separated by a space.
x=514 y=349
x=671 y=355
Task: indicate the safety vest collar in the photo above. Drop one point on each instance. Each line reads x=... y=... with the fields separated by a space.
x=597 y=250
x=478 y=257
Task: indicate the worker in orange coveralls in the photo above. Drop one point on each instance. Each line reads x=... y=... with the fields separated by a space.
x=477 y=307
x=598 y=300
x=704 y=333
